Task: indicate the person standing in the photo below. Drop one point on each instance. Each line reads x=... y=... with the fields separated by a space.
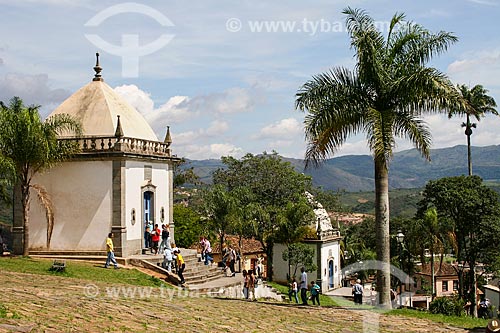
x=232 y=260
x=245 y=283
x=208 y=252
x=303 y=286
x=357 y=291
x=147 y=238
x=164 y=238
x=110 y=249
x=251 y=285
x=202 y=246
x=315 y=292
x=155 y=237
x=181 y=265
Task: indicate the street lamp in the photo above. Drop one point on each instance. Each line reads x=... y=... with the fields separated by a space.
x=400 y=237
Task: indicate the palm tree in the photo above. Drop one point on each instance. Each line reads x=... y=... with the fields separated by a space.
x=383 y=97
x=28 y=146
x=476 y=103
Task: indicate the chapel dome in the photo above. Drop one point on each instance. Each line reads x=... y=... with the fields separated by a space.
x=97 y=106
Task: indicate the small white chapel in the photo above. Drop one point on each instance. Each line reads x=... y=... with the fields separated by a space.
x=121 y=179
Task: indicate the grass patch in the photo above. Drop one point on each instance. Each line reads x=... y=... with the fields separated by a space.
x=324 y=300
x=80 y=270
x=464 y=321
x=5 y=313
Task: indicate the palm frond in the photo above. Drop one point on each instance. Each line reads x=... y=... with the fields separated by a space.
x=46 y=202
x=414 y=129
x=335 y=102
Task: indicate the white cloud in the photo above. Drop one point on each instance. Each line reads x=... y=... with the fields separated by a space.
x=232 y=100
x=484 y=2
x=217 y=127
x=479 y=67
x=214 y=150
x=285 y=128
x=174 y=111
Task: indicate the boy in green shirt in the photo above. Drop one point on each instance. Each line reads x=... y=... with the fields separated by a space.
x=315 y=292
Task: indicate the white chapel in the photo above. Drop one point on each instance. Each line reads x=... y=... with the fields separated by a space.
x=121 y=179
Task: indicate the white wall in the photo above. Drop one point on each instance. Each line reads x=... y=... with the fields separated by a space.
x=134 y=180
x=81 y=195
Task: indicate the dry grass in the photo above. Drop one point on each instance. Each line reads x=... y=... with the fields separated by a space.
x=51 y=303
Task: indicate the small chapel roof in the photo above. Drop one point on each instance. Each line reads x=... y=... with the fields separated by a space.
x=98 y=106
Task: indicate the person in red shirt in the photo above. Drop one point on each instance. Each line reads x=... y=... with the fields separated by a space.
x=155 y=237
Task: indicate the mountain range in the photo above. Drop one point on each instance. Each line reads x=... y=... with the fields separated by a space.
x=408 y=169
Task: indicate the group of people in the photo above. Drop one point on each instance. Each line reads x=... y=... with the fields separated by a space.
x=313 y=289
x=249 y=283
x=153 y=235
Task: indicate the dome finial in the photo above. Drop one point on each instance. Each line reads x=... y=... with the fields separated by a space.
x=118 y=131
x=168 y=138
x=97 y=69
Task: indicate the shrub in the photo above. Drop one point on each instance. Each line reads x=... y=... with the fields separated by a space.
x=450 y=306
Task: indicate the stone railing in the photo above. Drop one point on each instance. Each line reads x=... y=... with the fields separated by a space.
x=110 y=144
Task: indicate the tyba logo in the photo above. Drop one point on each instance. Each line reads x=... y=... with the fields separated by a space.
x=130 y=50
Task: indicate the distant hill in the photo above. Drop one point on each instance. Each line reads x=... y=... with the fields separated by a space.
x=408 y=169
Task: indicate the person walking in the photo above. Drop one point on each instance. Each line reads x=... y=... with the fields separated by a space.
x=110 y=249
x=357 y=291
x=303 y=286
x=293 y=291
x=180 y=265
x=315 y=292
x=167 y=261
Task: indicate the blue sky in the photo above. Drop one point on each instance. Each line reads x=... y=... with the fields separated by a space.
x=226 y=78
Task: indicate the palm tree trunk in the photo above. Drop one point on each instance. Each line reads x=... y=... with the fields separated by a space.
x=433 y=276
x=25 y=197
x=382 y=231
x=474 y=288
x=468 y=132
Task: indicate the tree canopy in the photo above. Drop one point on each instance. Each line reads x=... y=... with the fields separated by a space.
x=273 y=200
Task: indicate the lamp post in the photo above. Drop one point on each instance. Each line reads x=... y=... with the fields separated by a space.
x=400 y=239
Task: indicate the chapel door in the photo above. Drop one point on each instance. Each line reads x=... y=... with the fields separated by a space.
x=148 y=208
x=330 y=273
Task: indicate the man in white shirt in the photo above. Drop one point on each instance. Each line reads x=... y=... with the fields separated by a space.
x=303 y=286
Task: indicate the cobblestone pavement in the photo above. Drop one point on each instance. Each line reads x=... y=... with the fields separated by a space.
x=44 y=303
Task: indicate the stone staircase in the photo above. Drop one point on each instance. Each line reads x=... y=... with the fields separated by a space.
x=196 y=271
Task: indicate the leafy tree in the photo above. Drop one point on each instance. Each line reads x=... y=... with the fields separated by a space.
x=184 y=175
x=299 y=254
x=472 y=212
x=219 y=206
x=273 y=184
x=188 y=226
x=29 y=146
x=383 y=97
x=475 y=103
